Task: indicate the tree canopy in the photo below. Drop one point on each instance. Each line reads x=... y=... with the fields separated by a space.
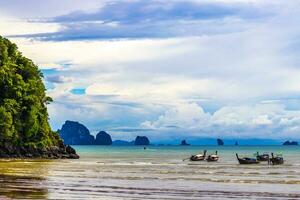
x=23 y=111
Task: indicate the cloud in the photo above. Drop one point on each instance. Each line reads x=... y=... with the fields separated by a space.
x=98 y=112
x=32 y=9
x=153 y=19
x=155 y=10
x=258 y=121
x=183 y=116
x=13 y=25
x=134 y=81
x=59 y=79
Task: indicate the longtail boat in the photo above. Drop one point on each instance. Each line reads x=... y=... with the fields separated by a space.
x=276 y=159
x=213 y=157
x=198 y=157
x=246 y=160
x=262 y=157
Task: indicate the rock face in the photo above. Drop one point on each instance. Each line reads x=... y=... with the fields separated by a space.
x=103 y=138
x=7 y=150
x=290 y=143
x=123 y=143
x=24 y=128
x=184 y=143
x=141 y=140
x=220 y=142
x=74 y=133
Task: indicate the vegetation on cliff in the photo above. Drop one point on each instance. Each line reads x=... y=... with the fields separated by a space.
x=23 y=112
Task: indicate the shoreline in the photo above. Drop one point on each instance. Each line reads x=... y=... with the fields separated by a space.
x=55 y=152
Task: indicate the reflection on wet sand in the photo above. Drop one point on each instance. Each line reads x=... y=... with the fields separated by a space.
x=21 y=179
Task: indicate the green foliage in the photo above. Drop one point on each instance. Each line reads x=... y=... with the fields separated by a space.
x=6 y=124
x=23 y=111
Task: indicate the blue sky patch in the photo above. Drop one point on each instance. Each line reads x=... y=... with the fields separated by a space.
x=78 y=91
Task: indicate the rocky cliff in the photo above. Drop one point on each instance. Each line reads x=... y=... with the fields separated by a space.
x=184 y=143
x=220 y=142
x=141 y=140
x=103 y=138
x=74 y=133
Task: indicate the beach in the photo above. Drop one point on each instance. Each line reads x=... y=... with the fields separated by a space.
x=159 y=172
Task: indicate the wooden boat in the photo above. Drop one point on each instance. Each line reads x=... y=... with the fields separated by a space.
x=198 y=157
x=247 y=160
x=276 y=160
x=213 y=157
x=262 y=157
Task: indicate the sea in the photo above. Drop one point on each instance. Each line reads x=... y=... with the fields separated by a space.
x=157 y=172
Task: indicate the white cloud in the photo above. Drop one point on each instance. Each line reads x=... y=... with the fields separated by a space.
x=260 y=120
x=183 y=115
x=201 y=67
x=15 y=26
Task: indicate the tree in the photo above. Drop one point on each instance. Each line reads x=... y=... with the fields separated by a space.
x=6 y=124
x=23 y=111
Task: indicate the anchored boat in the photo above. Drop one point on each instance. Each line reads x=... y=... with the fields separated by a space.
x=247 y=160
x=198 y=157
x=276 y=159
x=213 y=157
x=262 y=157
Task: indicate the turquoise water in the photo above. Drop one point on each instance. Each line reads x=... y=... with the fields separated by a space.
x=159 y=172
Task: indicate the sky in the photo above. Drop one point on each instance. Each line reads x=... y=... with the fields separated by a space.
x=167 y=69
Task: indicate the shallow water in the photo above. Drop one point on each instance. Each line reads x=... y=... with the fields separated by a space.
x=156 y=173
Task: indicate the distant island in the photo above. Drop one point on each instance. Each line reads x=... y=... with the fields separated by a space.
x=220 y=142
x=103 y=138
x=184 y=143
x=24 y=128
x=290 y=143
x=75 y=133
x=141 y=140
